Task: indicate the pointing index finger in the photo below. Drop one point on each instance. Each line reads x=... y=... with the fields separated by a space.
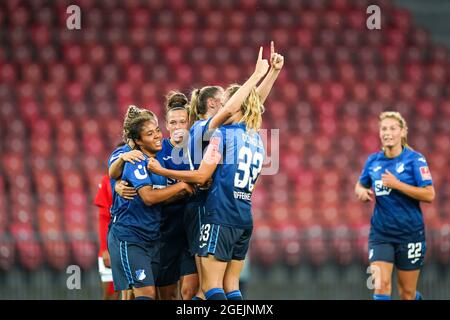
x=260 y=53
x=272 y=48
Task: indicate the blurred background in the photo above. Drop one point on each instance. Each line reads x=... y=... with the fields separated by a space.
x=63 y=94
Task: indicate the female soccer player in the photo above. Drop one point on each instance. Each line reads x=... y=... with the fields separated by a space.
x=177 y=264
x=207 y=114
x=133 y=239
x=400 y=178
x=125 y=153
x=227 y=222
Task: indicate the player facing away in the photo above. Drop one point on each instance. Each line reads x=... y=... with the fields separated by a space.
x=207 y=114
x=103 y=200
x=177 y=264
x=134 y=236
x=400 y=179
x=227 y=223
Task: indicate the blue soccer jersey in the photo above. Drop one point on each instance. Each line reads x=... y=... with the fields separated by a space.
x=133 y=220
x=397 y=217
x=198 y=141
x=173 y=158
x=113 y=157
x=229 y=198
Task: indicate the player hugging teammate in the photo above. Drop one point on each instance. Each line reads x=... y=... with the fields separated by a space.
x=176 y=211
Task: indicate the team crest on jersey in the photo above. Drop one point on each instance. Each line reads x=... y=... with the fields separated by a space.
x=138 y=172
x=140 y=274
x=425 y=173
x=380 y=189
x=400 y=167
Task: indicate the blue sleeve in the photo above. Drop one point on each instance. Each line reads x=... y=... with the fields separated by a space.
x=364 y=178
x=114 y=156
x=421 y=171
x=137 y=175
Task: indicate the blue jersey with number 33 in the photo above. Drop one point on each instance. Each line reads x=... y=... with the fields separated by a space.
x=229 y=198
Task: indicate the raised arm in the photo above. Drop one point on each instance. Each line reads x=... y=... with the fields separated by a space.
x=276 y=64
x=233 y=105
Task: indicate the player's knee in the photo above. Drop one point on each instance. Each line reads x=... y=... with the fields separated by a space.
x=188 y=292
x=406 y=293
x=384 y=286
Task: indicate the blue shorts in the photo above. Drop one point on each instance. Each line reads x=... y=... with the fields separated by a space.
x=187 y=264
x=191 y=221
x=133 y=264
x=224 y=243
x=405 y=256
x=176 y=261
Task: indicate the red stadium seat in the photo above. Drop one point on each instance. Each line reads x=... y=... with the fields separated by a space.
x=7 y=253
x=28 y=249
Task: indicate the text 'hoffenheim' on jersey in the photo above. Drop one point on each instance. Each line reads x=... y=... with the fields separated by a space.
x=133 y=220
x=229 y=198
x=397 y=217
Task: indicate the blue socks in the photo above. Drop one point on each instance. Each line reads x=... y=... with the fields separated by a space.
x=143 y=298
x=234 y=295
x=381 y=297
x=387 y=297
x=215 y=294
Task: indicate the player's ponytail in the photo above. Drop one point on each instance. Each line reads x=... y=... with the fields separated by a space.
x=193 y=107
x=199 y=102
x=401 y=121
x=252 y=108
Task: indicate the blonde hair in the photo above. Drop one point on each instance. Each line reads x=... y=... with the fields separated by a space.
x=252 y=108
x=198 y=104
x=401 y=121
x=132 y=113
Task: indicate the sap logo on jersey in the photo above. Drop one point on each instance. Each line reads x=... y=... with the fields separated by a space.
x=138 y=174
x=381 y=190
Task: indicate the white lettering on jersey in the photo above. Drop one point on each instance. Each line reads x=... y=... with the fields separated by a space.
x=138 y=174
x=377 y=169
x=242 y=195
x=380 y=189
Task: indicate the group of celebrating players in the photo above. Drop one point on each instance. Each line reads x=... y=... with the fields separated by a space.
x=180 y=211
